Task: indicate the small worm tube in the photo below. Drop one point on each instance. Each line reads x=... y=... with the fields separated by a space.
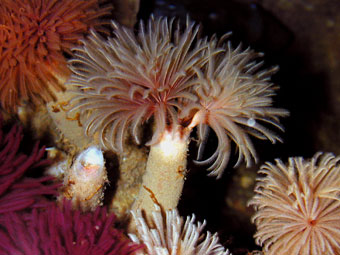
x=84 y=181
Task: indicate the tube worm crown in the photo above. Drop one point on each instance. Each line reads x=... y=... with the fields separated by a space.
x=177 y=80
x=34 y=36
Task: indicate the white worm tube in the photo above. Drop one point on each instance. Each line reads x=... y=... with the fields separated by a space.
x=84 y=181
x=165 y=173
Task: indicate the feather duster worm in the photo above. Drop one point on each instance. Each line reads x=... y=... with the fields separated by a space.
x=114 y=92
x=61 y=231
x=171 y=235
x=18 y=192
x=34 y=35
x=179 y=81
x=124 y=81
x=234 y=100
x=298 y=206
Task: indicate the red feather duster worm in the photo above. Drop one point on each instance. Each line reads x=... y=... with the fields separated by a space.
x=61 y=231
x=17 y=191
x=34 y=35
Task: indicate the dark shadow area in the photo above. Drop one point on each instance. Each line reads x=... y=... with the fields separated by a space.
x=112 y=167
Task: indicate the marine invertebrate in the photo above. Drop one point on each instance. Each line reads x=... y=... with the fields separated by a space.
x=297 y=206
x=233 y=99
x=168 y=235
x=57 y=230
x=84 y=181
x=165 y=172
x=124 y=81
x=34 y=35
x=116 y=94
x=179 y=81
x=17 y=191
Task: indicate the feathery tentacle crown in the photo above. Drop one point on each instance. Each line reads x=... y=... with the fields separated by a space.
x=172 y=234
x=172 y=77
x=129 y=78
x=233 y=99
x=298 y=206
x=34 y=34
